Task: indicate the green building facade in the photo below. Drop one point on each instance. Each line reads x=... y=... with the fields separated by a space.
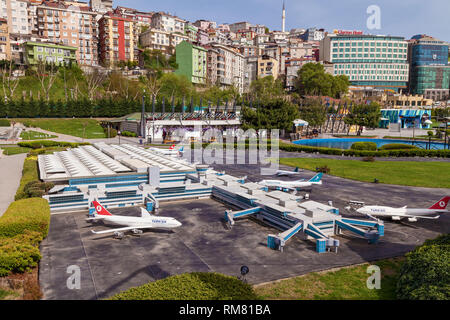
x=49 y=53
x=192 y=62
x=429 y=77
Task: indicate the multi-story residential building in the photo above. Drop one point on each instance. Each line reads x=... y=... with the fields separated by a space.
x=36 y=52
x=154 y=39
x=205 y=24
x=313 y=34
x=293 y=65
x=230 y=67
x=301 y=49
x=368 y=60
x=258 y=29
x=235 y=27
x=215 y=36
x=223 y=28
x=118 y=37
x=177 y=38
x=166 y=22
x=192 y=62
x=430 y=71
x=251 y=71
x=16 y=13
x=191 y=31
x=212 y=62
x=248 y=51
x=278 y=36
x=5 y=48
x=261 y=39
x=267 y=66
x=101 y=6
x=142 y=19
x=69 y=25
x=202 y=37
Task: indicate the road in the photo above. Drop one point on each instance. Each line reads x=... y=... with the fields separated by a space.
x=10 y=175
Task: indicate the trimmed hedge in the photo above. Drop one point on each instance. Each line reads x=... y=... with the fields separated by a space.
x=398 y=146
x=29 y=174
x=39 y=144
x=26 y=215
x=5 y=123
x=354 y=153
x=19 y=253
x=191 y=286
x=425 y=275
x=128 y=134
x=370 y=146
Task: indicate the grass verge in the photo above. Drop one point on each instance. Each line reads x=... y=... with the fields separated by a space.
x=82 y=128
x=344 y=284
x=420 y=174
x=11 y=151
x=34 y=135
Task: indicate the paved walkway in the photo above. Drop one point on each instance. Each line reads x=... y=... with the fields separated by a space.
x=10 y=175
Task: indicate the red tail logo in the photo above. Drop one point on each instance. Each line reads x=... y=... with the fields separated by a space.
x=172 y=147
x=100 y=210
x=441 y=204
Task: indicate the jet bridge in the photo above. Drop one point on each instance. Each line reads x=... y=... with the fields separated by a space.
x=356 y=226
x=230 y=215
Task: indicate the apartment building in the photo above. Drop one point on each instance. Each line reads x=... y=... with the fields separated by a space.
x=230 y=67
x=118 y=39
x=248 y=51
x=36 y=52
x=235 y=27
x=251 y=71
x=142 y=19
x=205 y=24
x=164 y=41
x=16 y=14
x=293 y=65
x=212 y=65
x=368 y=60
x=69 y=25
x=101 y=6
x=192 y=62
x=5 y=48
x=166 y=22
x=267 y=66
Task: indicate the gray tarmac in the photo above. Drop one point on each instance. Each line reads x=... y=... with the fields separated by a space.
x=203 y=243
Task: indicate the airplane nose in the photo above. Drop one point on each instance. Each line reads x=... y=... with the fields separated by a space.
x=178 y=224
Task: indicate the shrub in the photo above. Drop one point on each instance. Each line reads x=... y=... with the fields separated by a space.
x=128 y=134
x=191 y=286
x=4 y=123
x=39 y=144
x=26 y=215
x=324 y=169
x=29 y=174
x=426 y=272
x=369 y=159
x=368 y=146
x=398 y=146
x=112 y=132
x=19 y=253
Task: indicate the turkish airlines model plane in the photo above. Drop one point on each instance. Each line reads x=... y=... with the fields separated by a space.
x=134 y=224
x=292 y=185
x=168 y=152
x=283 y=173
x=412 y=215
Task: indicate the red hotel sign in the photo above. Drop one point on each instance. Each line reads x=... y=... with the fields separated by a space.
x=349 y=32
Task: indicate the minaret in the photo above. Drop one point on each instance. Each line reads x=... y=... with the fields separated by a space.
x=283 y=23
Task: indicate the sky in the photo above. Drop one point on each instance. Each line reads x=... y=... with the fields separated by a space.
x=398 y=17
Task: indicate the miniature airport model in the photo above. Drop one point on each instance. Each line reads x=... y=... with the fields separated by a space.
x=128 y=175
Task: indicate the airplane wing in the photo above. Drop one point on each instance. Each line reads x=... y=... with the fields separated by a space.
x=121 y=229
x=421 y=217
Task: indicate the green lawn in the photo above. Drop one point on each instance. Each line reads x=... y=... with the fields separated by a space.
x=10 y=151
x=423 y=174
x=34 y=135
x=82 y=128
x=344 y=284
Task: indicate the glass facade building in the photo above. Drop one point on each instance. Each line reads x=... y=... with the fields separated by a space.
x=368 y=60
x=430 y=71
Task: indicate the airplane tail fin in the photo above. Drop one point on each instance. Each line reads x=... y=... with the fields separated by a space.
x=296 y=169
x=101 y=211
x=317 y=177
x=181 y=149
x=172 y=147
x=441 y=204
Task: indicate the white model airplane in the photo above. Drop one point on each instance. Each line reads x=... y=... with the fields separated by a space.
x=283 y=173
x=292 y=185
x=134 y=224
x=168 y=152
x=412 y=215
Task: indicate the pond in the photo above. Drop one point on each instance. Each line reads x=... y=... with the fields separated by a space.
x=346 y=143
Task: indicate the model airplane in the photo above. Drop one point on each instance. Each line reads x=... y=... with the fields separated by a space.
x=412 y=215
x=134 y=224
x=168 y=152
x=292 y=185
x=283 y=173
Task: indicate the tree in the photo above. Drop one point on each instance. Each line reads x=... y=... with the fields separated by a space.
x=314 y=113
x=313 y=80
x=94 y=79
x=274 y=114
x=364 y=115
x=46 y=74
x=9 y=81
x=265 y=89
